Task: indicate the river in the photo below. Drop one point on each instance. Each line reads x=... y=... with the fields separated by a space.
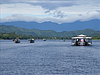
x=51 y=57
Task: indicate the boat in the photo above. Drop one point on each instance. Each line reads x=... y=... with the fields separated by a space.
x=81 y=40
x=63 y=40
x=31 y=40
x=17 y=40
x=44 y=39
x=13 y=39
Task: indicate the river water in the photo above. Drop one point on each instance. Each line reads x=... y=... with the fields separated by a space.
x=51 y=57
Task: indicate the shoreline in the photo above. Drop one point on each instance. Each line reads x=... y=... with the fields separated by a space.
x=46 y=39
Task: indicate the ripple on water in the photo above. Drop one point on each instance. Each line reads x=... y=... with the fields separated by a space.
x=49 y=58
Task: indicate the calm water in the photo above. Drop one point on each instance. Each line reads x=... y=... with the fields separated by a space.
x=49 y=58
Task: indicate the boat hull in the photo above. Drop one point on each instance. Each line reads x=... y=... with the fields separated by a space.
x=81 y=44
x=31 y=41
x=17 y=40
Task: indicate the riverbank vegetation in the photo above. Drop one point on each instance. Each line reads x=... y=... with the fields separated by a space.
x=10 y=36
x=14 y=36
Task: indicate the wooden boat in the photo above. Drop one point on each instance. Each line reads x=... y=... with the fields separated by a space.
x=81 y=40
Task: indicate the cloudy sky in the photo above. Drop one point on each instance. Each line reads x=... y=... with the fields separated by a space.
x=58 y=11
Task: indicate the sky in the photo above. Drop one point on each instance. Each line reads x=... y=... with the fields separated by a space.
x=58 y=11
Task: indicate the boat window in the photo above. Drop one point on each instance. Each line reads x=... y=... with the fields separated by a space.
x=77 y=39
x=73 y=40
x=89 y=40
x=81 y=40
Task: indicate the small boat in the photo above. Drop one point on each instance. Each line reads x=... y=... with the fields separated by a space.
x=31 y=40
x=13 y=39
x=81 y=40
x=63 y=40
x=17 y=40
x=44 y=39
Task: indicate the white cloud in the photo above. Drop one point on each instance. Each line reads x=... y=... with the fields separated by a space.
x=49 y=10
x=67 y=19
x=21 y=8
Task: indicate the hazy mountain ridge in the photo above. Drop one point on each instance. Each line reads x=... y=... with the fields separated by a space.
x=35 y=32
x=77 y=25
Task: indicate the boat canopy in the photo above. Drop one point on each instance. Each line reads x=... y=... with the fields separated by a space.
x=81 y=37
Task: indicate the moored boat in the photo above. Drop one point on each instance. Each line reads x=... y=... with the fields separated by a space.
x=81 y=40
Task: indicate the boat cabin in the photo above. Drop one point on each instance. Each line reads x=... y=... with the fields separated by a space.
x=81 y=40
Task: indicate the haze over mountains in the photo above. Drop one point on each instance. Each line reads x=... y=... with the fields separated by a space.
x=78 y=25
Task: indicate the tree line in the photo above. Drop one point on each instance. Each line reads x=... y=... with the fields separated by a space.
x=14 y=36
x=10 y=36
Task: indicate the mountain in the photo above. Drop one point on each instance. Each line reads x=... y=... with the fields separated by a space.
x=35 y=32
x=78 y=25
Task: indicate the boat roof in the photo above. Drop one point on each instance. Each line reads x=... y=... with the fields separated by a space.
x=81 y=37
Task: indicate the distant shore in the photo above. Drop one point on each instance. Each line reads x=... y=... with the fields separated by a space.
x=42 y=39
x=10 y=36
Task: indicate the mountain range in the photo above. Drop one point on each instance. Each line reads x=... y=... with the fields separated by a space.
x=78 y=25
x=35 y=32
